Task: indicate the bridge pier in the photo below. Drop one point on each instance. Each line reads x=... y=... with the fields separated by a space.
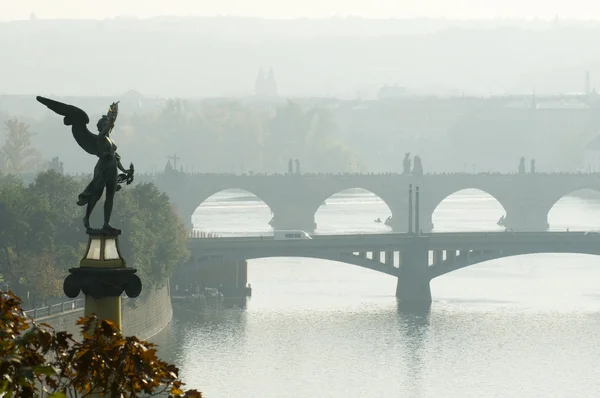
x=231 y=277
x=400 y=224
x=531 y=218
x=294 y=219
x=412 y=289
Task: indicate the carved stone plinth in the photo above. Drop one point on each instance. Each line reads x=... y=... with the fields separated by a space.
x=99 y=283
x=102 y=272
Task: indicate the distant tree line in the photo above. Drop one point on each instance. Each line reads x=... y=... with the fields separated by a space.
x=209 y=136
x=42 y=234
x=234 y=135
x=228 y=136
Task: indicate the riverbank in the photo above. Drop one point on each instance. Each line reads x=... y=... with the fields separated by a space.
x=143 y=317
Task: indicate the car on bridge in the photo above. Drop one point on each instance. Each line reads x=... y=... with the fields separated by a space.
x=290 y=235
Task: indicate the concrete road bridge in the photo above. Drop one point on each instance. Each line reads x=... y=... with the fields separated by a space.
x=413 y=259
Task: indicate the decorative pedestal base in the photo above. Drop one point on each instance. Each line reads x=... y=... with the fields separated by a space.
x=103 y=277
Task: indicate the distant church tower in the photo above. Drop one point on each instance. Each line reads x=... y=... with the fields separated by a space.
x=271 y=84
x=265 y=87
x=587 y=83
x=259 y=85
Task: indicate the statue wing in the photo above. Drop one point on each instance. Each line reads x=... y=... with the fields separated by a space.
x=78 y=120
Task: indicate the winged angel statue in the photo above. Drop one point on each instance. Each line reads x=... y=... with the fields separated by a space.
x=101 y=145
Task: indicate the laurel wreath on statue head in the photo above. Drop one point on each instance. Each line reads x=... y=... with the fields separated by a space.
x=113 y=112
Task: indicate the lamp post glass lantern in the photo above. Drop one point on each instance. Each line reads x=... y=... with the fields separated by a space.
x=102 y=251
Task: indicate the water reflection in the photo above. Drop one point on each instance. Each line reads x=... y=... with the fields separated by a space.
x=240 y=303
x=413 y=330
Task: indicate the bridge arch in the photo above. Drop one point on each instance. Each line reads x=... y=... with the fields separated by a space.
x=482 y=208
x=474 y=259
x=577 y=209
x=524 y=280
x=341 y=259
x=207 y=194
x=348 y=259
x=232 y=211
x=353 y=210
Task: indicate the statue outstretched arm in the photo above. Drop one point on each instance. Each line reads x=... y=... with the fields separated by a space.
x=120 y=165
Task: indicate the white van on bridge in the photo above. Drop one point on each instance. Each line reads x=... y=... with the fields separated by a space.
x=290 y=235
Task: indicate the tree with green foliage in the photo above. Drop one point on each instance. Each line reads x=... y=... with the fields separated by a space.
x=26 y=233
x=38 y=237
x=41 y=234
x=38 y=362
x=19 y=156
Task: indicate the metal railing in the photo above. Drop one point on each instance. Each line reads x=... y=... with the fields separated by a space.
x=202 y=235
x=60 y=308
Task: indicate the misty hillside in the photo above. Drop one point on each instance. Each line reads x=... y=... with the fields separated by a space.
x=203 y=57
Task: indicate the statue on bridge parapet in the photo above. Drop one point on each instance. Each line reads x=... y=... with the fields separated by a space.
x=522 y=165
x=406 y=164
x=109 y=162
x=418 y=167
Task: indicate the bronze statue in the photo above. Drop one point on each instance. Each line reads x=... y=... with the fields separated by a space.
x=102 y=146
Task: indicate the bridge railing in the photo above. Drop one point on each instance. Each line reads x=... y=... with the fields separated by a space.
x=435 y=239
x=60 y=308
x=402 y=234
x=359 y=173
x=203 y=235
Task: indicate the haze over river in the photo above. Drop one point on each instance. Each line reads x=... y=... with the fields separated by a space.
x=526 y=326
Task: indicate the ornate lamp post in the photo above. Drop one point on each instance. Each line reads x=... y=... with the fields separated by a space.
x=102 y=274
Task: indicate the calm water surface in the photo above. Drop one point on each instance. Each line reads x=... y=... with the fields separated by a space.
x=526 y=326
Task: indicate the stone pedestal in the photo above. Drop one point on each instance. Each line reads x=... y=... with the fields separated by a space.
x=103 y=277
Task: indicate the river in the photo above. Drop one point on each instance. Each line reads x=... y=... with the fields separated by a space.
x=525 y=326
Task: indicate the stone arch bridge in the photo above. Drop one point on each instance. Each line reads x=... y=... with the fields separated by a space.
x=294 y=199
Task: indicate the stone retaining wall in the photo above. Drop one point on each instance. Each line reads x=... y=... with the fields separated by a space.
x=147 y=316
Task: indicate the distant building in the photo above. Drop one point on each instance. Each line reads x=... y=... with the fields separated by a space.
x=265 y=87
x=132 y=99
x=168 y=167
x=591 y=156
x=392 y=92
x=573 y=102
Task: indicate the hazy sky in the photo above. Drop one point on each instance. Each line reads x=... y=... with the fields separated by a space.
x=580 y=9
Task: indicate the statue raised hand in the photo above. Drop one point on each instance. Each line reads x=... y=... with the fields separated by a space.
x=101 y=145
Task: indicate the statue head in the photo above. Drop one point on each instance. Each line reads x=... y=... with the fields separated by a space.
x=103 y=125
x=107 y=122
